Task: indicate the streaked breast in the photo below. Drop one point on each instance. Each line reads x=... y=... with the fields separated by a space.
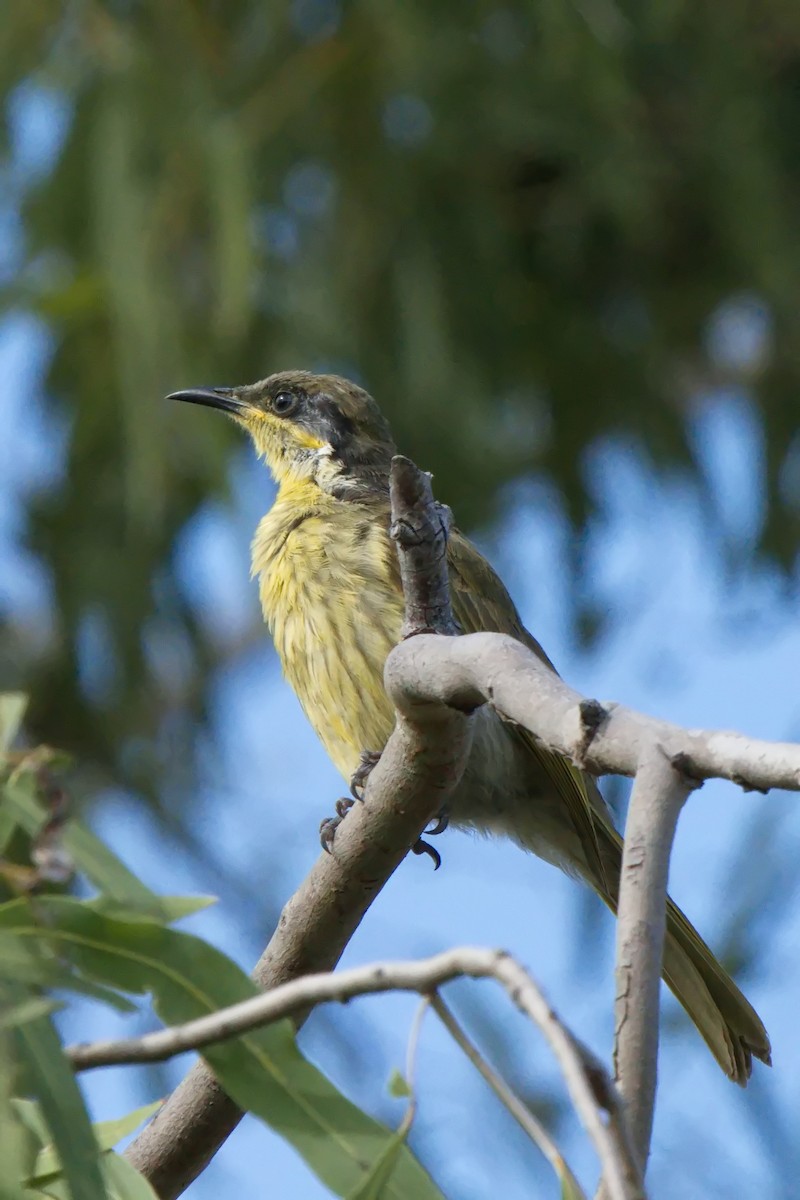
x=330 y=594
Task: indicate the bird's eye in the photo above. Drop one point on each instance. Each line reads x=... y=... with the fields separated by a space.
x=283 y=403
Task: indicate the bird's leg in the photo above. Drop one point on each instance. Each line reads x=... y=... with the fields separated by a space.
x=358 y=780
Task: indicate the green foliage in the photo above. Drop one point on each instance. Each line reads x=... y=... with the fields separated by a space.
x=45 y=1171
x=118 y=945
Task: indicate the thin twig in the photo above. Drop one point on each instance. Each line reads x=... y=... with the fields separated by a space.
x=411 y=1064
x=527 y=1121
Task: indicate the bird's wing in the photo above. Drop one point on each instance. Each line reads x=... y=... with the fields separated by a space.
x=481 y=604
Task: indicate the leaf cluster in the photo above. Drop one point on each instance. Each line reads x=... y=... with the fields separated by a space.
x=116 y=946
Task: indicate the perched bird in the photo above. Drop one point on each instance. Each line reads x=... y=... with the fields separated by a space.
x=330 y=590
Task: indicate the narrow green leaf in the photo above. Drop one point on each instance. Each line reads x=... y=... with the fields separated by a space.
x=30 y=1115
x=7 y=823
x=62 y=1107
x=398 y=1085
x=12 y=710
x=35 y=964
x=263 y=1071
x=570 y=1188
x=91 y=856
x=26 y=1010
x=373 y=1185
x=172 y=908
x=107 y=1133
x=123 y=1181
x=17 y=1144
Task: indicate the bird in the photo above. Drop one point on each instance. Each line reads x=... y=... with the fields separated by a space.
x=331 y=595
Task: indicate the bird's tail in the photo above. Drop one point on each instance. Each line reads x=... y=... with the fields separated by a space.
x=726 y=1020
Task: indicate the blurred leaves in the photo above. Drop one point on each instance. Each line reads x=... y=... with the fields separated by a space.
x=12 y=710
x=45 y=1168
x=515 y=224
x=262 y=1071
x=115 y=945
x=47 y=1075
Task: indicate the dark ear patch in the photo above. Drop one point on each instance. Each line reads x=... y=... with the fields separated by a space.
x=339 y=426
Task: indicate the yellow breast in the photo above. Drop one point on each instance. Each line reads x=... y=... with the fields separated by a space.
x=331 y=596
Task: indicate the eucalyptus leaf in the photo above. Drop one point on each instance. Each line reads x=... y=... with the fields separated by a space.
x=26 y=1010
x=54 y=1085
x=570 y=1188
x=91 y=856
x=171 y=908
x=263 y=1071
x=12 y=710
x=123 y=1181
x=375 y=1183
x=17 y=1142
x=107 y=1133
x=35 y=964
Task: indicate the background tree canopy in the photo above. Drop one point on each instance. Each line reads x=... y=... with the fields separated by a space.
x=548 y=237
x=524 y=228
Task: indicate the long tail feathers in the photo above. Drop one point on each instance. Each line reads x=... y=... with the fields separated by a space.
x=727 y=1021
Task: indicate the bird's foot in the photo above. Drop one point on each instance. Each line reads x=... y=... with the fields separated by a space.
x=358 y=780
x=328 y=827
x=422 y=847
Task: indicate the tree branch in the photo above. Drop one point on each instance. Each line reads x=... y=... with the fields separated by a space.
x=527 y=1121
x=589 y=1085
x=658 y=795
x=495 y=669
x=420 y=527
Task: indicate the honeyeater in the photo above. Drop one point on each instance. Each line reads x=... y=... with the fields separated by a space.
x=330 y=589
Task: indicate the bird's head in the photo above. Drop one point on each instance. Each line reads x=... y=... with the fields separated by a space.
x=307 y=426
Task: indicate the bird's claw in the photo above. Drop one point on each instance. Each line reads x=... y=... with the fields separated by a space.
x=422 y=847
x=442 y=821
x=328 y=827
x=358 y=780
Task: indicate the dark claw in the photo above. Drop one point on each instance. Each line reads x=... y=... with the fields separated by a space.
x=343 y=807
x=442 y=821
x=358 y=781
x=327 y=832
x=421 y=847
x=328 y=827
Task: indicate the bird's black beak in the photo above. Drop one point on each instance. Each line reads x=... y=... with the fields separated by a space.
x=213 y=397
